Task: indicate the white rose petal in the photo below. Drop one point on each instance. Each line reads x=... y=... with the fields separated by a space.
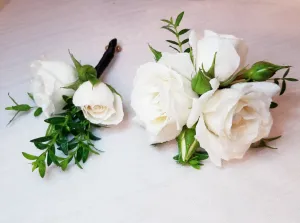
x=47 y=85
x=232 y=119
x=99 y=104
x=231 y=53
x=162 y=96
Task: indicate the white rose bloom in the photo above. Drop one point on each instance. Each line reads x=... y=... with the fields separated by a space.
x=231 y=53
x=49 y=78
x=232 y=119
x=99 y=104
x=162 y=96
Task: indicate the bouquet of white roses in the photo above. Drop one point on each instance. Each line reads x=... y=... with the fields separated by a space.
x=206 y=97
x=74 y=101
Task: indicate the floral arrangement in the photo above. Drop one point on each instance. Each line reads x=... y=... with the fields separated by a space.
x=206 y=96
x=75 y=101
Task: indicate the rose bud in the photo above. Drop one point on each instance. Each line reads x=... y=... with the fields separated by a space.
x=262 y=70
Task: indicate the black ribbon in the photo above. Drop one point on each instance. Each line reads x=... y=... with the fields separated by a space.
x=107 y=57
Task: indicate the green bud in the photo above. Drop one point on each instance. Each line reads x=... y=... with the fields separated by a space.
x=187 y=144
x=262 y=70
x=200 y=83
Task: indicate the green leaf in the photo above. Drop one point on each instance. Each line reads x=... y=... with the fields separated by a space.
x=64 y=164
x=178 y=19
x=49 y=160
x=175 y=49
x=22 y=107
x=185 y=41
x=291 y=79
x=169 y=29
x=42 y=139
x=113 y=90
x=271 y=139
x=85 y=154
x=40 y=146
x=76 y=63
x=34 y=166
x=276 y=81
x=183 y=31
x=78 y=164
x=72 y=146
x=93 y=137
x=173 y=42
x=30 y=95
x=64 y=145
x=286 y=72
x=55 y=120
x=29 y=156
x=283 y=87
x=273 y=104
x=166 y=21
x=53 y=157
x=67 y=99
x=42 y=168
x=13 y=100
x=157 y=54
x=200 y=84
x=38 y=111
x=50 y=130
x=187 y=50
x=74 y=86
x=79 y=154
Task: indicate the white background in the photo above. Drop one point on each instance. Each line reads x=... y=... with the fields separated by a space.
x=133 y=182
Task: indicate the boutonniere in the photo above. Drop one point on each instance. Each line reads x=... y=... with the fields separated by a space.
x=206 y=97
x=75 y=101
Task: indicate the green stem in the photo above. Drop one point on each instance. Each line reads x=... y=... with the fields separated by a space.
x=177 y=36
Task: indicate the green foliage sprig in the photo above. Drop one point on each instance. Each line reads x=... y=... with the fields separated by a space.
x=173 y=27
x=22 y=108
x=69 y=133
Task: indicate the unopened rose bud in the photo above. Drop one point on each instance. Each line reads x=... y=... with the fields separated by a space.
x=262 y=70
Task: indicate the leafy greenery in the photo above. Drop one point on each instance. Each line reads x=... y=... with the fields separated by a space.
x=187 y=146
x=173 y=27
x=284 y=79
x=85 y=73
x=69 y=133
x=263 y=143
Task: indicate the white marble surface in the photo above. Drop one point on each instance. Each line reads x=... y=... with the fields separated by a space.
x=133 y=182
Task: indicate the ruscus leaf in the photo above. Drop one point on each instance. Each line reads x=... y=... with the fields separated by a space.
x=38 y=111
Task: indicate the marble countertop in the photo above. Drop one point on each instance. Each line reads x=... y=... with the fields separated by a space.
x=132 y=182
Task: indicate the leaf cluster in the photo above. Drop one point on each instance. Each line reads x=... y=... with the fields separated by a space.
x=22 y=108
x=69 y=133
x=283 y=80
x=173 y=27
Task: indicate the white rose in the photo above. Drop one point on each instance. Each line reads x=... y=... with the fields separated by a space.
x=232 y=119
x=162 y=96
x=100 y=105
x=231 y=53
x=49 y=78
